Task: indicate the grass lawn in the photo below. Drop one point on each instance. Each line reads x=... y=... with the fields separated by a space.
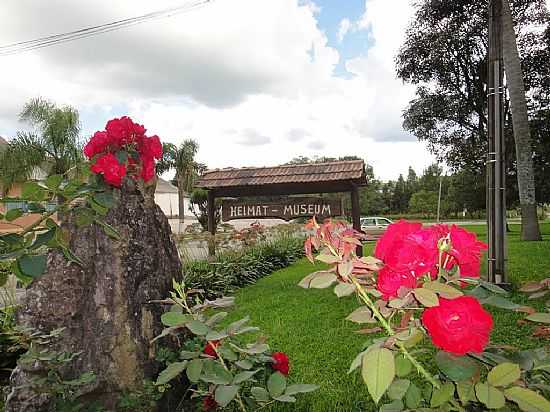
x=309 y=325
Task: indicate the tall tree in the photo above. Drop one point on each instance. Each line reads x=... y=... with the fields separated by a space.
x=187 y=170
x=445 y=55
x=522 y=136
x=54 y=144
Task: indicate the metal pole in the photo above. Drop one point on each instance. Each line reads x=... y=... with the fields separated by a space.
x=439 y=198
x=496 y=185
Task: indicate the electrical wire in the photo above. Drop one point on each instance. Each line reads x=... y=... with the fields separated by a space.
x=52 y=40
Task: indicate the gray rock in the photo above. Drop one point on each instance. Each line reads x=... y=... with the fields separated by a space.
x=103 y=305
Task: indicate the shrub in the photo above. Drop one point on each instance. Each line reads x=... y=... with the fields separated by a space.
x=232 y=270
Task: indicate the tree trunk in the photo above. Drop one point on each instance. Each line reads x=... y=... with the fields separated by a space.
x=181 y=204
x=524 y=151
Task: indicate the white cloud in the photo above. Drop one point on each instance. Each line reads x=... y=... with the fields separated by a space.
x=343 y=28
x=251 y=80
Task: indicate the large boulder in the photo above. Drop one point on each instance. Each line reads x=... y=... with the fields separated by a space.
x=103 y=305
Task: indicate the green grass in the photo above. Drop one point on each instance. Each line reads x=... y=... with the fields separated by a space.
x=309 y=326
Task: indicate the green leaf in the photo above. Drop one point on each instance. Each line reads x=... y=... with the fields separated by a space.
x=218 y=317
x=197 y=328
x=276 y=384
x=108 y=229
x=456 y=368
x=4 y=276
x=105 y=199
x=356 y=362
x=185 y=354
x=285 y=398
x=174 y=319
x=395 y=406
x=13 y=214
x=539 y=317
x=54 y=181
x=466 y=391
x=42 y=239
x=398 y=388
x=427 y=297
x=361 y=315
x=323 y=280
x=403 y=366
x=500 y=302
x=344 y=289
x=244 y=376
x=32 y=265
x=84 y=216
x=173 y=370
x=330 y=259
x=194 y=369
x=443 y=290
x=122 y=156
x=33 y=191
x=504 y=374
x=215 y=373
x=490 y=396
x=100 y=210
x=260 y=394
x=300 y=388
x=225 y=394
x=492 y=287
x=442 y=395
x=227 y=353
x=378 y=371
x=244 y=364
x=215 y=335
x=413 y=397
x=527 y=400
x=234 y=327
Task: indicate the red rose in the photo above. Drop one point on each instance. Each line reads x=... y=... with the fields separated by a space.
x=280 y=362
x=458 y=325
x=151 y=147
x=393 y=233
x=97 y=144
x=465 y=252
x=210 y=350
x=112 y=170
x=147 y=169
x=208 y=403
x=389 y=281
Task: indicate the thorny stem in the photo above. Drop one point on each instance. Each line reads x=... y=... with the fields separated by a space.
x=419 y=367
x=239 y=399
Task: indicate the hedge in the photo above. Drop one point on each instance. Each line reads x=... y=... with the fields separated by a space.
x=232 y=270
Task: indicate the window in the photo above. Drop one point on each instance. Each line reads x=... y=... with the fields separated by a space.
x=384 y=221
x=368 y=222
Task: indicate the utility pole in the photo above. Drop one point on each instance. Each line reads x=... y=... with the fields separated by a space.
x=496 y=184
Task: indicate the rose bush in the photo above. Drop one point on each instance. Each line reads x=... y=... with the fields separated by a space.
x=424 y=282
x=121 y=149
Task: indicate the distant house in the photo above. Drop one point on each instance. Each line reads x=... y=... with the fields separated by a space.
x=166 y=196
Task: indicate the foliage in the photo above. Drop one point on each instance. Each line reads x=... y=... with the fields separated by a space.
x=199 y=207
x=222 y=369
x=444 y=55
x=232 y=270
x=63 y=391
x=424 y=202
x=487 y=379
x=54 y=147
x=26 y=250
x=143 y=399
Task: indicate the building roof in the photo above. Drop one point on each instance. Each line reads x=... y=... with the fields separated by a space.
x=310 y=177
x=164 y=186
x=3 y=141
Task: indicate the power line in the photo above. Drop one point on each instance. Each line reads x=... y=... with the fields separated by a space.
x=55 y=39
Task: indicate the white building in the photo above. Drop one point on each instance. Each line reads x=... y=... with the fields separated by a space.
x=166 y=196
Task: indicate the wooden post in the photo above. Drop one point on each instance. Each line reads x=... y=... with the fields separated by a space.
x=356 y=214
x=211 y=205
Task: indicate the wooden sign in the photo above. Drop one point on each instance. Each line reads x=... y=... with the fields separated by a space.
x=289 y=209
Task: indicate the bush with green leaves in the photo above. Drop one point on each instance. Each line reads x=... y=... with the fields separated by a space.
x=232 y=270
x=224 y=370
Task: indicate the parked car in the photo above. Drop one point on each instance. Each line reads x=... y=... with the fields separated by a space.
x=375 y=226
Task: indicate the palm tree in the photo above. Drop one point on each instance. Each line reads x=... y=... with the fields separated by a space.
x=520 y=121
x=54 y=144
x=182 y=159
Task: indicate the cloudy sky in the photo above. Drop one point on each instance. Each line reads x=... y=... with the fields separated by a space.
x=255 y=82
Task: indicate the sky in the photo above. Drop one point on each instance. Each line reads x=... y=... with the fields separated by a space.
x=255 y=82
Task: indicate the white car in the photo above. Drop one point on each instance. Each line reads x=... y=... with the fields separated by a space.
x=374 y=226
